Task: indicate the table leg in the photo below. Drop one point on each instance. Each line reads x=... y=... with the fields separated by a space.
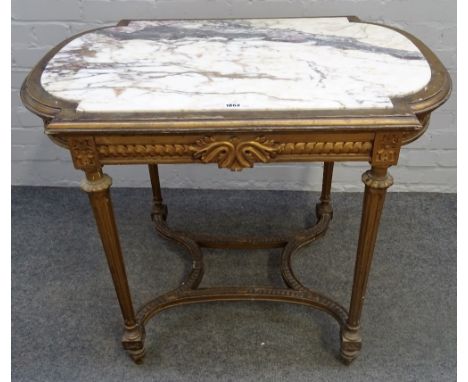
x=325 y=198
x=97 y=186
x=377 y=181
x=159 y=208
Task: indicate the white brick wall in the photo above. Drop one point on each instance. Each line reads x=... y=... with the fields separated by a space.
x=428 y=164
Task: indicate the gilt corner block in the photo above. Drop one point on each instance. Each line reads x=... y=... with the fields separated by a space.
x=386 y=149
x=83 y=152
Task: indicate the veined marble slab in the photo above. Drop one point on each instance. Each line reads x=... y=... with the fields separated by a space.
x=262 y=64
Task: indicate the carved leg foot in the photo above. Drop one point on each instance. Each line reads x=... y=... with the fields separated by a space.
x=350 y=344
x=138 y=356
x=133 y=342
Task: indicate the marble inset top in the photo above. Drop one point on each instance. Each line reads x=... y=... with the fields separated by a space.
x=251 y=64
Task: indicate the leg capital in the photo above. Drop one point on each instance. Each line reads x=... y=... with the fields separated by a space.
x=377 y=178
x=100 y=184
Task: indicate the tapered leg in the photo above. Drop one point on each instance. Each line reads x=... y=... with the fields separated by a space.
x=325 y=205
x=97 y=186
x=159 y=208
x=377 y=181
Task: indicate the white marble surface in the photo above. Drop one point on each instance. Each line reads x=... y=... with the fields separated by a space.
x=270 y=64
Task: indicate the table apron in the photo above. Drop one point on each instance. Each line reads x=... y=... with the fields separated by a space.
x=233 y=151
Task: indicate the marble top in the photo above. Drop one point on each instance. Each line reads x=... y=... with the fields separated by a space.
x=252 y=64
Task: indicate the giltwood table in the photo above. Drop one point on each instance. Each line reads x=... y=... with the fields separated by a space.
x=236 y=93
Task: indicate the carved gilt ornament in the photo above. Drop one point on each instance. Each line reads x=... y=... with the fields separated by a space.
x=234 y=153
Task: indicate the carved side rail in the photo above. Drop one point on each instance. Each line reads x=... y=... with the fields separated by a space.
x=235 y=152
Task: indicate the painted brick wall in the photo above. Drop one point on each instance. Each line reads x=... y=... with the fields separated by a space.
x=428 y=164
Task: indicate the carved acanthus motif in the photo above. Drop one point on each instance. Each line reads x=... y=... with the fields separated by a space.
x=235 y=154
x=386 y=148
x=83 y=152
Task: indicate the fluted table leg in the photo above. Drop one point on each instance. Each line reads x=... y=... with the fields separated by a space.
x=377 y=181
x=97 y=186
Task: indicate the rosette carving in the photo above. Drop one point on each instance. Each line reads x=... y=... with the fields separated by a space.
x=234 y=153
x=83 y=152
x=387 y=148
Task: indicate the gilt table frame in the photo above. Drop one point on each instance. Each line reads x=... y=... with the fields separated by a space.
x=237 y=141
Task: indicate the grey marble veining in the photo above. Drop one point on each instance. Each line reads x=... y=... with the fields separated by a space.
x=262 y=64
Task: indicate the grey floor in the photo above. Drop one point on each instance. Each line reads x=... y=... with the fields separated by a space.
x=66 y=323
